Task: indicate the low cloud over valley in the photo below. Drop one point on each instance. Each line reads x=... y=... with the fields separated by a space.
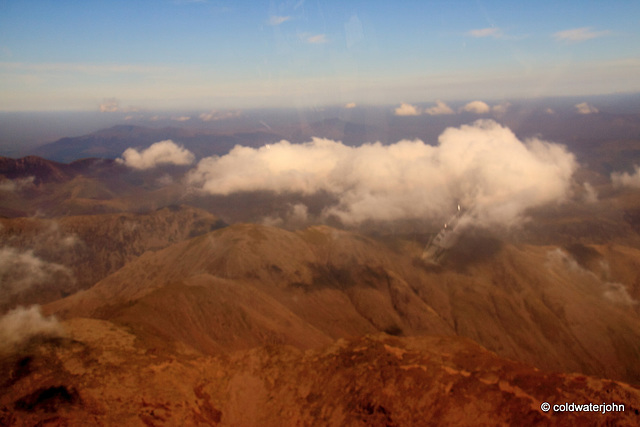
x=482 y=166
x=626 y=179
x=20 y=325
x=21 y=270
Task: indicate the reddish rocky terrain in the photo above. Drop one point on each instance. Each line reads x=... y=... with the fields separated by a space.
x=249 y=285
x=102 y=374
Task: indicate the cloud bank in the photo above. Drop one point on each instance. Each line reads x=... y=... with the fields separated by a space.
x=20 y=270
x=439 y=109
x=586 y=108
x=625 y=179
x=297 y=216
x=477 y=107
x=407 y=110
x=316 y=39
x=163 y=152
x=486 y=32
x=614 y=292
x=482 y=166
x=276 y=20
x=20 y=325
x=112 y=105
x=11 y=185
x=579 y=34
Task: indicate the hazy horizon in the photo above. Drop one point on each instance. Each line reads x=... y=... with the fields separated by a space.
x=185 y=54
x=27 y=130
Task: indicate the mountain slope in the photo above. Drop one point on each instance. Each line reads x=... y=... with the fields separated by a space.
x=105 y=143
x=90 y=247
x=110 y=143
x=529 y=303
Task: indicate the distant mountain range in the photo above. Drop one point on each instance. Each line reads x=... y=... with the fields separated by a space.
x=112 y=142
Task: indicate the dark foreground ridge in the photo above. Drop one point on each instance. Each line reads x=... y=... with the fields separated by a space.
x=105 y=375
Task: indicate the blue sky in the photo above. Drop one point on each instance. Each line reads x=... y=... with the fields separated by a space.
x=178 y=54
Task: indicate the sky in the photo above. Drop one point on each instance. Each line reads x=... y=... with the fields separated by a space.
x=177 y=54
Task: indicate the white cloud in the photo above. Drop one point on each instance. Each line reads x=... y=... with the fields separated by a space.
x=625 y=179
x=579 y=34
x=109 y=106
x=549 y=111
x=181 y=118
x=486 y=32
x=277 y=20
x=407 y=110
x=297 y=216
x=112 y=105
x=614 y=292
x=439 y=109
x=559 y=258
x=50 y=235
x=214 y=115
x=316 y=39
x=586 y=108
x=350 y=105
x=482 y=166
x=618 y=294
x=163 y=152
x=20 y=270
x=477 y=107
x=313 y=38
x=18 y=184
x=22 y=324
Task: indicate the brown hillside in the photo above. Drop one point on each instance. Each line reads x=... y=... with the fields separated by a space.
x=248 y=284
x=93 y=246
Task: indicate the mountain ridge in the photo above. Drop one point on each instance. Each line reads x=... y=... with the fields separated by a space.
x=343 y=284
x=111 y=142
